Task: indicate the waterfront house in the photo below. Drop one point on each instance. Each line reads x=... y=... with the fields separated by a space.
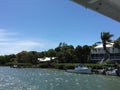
x=97 y=54
x=46 y=59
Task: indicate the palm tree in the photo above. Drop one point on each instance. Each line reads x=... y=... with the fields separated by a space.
x=106 y=39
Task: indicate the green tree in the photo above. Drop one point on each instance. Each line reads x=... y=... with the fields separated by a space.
x=2 y=60
x=69 y=53
x=86 y=54
x=78 y=54
x=10 y=57
x=33 y=57
x=42 y=54
x=117 y=43
x=64 y=53
x=51 y=53
x=22 y=57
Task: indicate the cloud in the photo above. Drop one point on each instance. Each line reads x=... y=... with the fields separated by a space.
x=17 y=46
x=26 y=43
x=11 y=44
x=4 y=33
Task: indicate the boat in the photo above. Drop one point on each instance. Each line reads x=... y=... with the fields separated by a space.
x=16 y=66
x=109 y=71
x=80 y=69
x=114 y=72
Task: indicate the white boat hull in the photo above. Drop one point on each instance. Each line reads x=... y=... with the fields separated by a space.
x=87 y=71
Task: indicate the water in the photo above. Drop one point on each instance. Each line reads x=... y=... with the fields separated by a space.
x=47 y=79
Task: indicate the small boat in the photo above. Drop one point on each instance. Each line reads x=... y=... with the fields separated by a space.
x=109 y=71
x=114 y=72
x=14 y=66
x=80 y=69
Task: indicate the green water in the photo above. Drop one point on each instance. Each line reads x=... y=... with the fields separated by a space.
x=47 y=79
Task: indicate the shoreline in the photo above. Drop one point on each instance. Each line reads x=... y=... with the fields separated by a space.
x=96 y=68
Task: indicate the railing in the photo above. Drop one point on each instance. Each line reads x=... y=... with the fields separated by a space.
x=114 y=57
x=111 y=57
x=96 y=58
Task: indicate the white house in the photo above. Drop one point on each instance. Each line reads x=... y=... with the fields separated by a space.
x=98 y=52
x=46 y=59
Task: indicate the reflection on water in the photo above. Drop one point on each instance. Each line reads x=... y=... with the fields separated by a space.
x=46 y=79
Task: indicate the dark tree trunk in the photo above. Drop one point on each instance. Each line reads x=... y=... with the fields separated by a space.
x=107 y=53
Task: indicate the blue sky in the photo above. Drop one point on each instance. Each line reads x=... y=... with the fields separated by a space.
x=42 y=24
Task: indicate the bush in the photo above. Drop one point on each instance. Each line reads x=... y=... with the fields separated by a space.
x=24 y=64
x=96 y=66
x=11 y=63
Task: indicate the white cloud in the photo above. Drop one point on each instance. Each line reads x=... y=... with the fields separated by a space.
x=27 y=43
x=4 y=33
x=18 y=46
x=10 y=44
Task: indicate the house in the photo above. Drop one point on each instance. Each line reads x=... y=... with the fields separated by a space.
x=46 y=59
x=97 y=54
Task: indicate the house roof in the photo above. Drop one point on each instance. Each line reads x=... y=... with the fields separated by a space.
x=101 y=45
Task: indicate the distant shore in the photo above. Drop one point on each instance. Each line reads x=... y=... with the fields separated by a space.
x=64 y=65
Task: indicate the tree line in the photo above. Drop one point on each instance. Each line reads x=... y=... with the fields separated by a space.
x=64 y=53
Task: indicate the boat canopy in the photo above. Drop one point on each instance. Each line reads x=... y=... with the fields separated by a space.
x=110 y=8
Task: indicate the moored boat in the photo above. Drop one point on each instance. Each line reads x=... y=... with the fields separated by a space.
x=114 y=72
x=80 y=69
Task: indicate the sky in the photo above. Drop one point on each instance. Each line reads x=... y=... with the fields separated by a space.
x=39 y=25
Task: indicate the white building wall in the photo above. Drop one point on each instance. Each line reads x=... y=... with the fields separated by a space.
x=101 y=50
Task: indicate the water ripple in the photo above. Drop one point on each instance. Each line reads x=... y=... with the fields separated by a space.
x=43 y=79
